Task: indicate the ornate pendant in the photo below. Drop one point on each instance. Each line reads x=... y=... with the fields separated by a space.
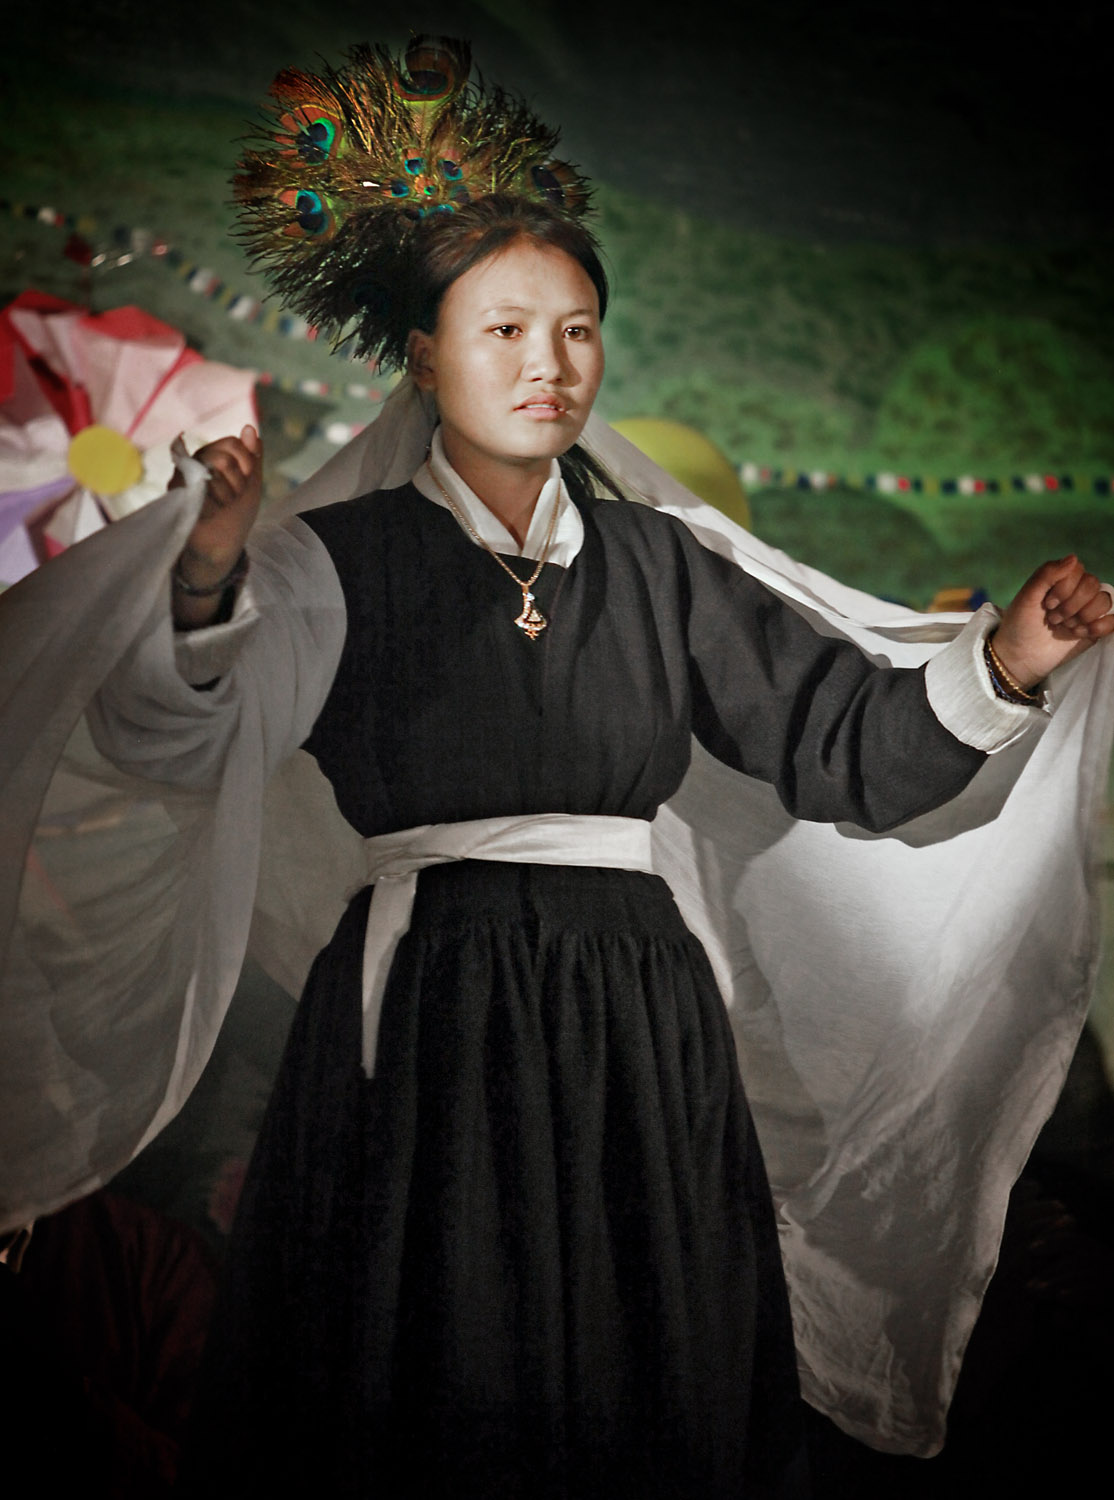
x=531 y=620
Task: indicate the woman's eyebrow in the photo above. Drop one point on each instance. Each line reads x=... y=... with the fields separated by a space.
x=513 y=307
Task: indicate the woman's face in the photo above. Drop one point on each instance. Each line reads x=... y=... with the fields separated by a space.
x=515 y=360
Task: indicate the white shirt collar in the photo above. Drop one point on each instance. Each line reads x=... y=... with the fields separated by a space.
x=568 y=533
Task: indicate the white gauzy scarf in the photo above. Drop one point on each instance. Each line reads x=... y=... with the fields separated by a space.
x=905 y=1006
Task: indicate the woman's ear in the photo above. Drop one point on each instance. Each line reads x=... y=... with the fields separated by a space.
x=419 y=360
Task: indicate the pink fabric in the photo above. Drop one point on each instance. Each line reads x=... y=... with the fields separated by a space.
x=63 y=368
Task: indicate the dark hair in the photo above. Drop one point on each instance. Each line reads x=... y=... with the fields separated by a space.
x=585 y=476
x=443 y=246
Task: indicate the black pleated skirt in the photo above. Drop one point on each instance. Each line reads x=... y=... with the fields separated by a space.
x=534 y=1258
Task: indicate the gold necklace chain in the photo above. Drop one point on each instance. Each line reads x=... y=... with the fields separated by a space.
x=531 y=621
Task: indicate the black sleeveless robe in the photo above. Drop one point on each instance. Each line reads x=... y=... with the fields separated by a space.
x=536 y=1255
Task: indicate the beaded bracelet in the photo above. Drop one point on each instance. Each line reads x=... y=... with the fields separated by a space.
x=1003 y=684
x=237 y=574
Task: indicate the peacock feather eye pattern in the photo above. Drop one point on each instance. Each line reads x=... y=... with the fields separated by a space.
x=310 y=134
x=435 y=70
x=311 y=215
x=315 y=142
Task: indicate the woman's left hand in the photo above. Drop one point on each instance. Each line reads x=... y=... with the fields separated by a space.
x=1059 y=612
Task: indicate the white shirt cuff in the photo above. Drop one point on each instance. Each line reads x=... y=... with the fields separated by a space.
x=211 y=652
x=963 y=698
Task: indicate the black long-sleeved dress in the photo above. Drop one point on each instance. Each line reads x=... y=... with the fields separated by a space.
x=535 y=1255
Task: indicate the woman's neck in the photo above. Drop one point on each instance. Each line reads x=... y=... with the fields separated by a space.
x=509 y=490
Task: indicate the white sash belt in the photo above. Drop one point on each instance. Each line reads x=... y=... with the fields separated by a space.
x=394 y=859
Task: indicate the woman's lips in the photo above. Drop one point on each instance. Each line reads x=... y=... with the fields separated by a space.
x=542 y=410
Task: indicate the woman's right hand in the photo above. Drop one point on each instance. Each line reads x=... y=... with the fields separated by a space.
x=232 y=500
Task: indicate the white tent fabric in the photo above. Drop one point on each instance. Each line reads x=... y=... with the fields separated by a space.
x=905 y=1006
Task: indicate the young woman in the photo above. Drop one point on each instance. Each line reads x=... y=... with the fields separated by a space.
x=507 y=1230
x=534 y=1253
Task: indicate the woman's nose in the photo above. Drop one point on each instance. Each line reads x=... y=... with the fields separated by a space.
x=545 y=360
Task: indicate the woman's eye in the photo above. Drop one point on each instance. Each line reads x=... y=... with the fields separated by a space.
x=506 y=330
x=578 y=331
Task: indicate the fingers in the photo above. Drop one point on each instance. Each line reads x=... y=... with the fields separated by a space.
x=1056 y=615
x=1057 y=580
x=227 y=480
x=1083 y=610
x=224 y=490
x=1076 y=602
x=227 y=455
x=1097 y=629
x=1051 y=577
x=233 y=464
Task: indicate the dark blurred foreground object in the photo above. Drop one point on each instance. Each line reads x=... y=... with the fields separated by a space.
x=101 y=1332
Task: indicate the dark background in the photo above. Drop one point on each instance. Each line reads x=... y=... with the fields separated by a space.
x=914 y=123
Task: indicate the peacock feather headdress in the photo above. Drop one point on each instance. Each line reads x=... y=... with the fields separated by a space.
x=349 y=162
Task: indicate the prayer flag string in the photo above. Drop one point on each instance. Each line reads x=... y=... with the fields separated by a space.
x=127 y=245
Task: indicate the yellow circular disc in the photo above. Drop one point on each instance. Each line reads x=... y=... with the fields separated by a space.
x=104 y=461
x=692 y=459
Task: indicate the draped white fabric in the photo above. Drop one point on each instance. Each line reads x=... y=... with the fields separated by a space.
x=905 y=1006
